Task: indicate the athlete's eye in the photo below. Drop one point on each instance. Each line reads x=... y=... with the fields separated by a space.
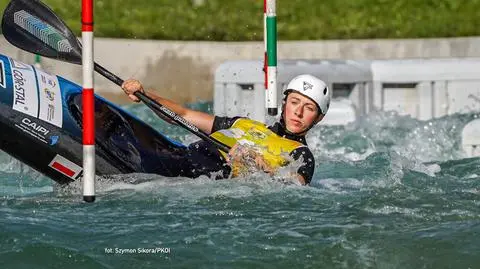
x=310 y=108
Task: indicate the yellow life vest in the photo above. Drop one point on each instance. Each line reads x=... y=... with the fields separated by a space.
x=274 y=148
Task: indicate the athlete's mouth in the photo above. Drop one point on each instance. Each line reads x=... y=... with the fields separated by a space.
x=296 y=122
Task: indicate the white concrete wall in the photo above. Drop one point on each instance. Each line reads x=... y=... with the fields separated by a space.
x=184 y=70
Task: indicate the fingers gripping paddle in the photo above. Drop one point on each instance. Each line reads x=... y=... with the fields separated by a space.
x=32 y=26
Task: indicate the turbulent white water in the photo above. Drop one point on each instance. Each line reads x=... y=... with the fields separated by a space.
x=389 y=191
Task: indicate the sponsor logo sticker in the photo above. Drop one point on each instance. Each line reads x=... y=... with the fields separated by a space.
x=25 y=96
x=54 y=140
x=49 y=94
x=50 y=99
x=50 y=112
x=34 y=129
x=233 y=133
x=19 y=65
x=307 y=86
x=66 y=167
x=256 y=134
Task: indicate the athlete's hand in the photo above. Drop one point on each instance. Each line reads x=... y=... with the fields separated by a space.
x=240 y=153
x=249 y=157
x=263 y=165
x=131 y=86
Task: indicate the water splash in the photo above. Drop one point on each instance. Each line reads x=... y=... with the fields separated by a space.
x=425 y=141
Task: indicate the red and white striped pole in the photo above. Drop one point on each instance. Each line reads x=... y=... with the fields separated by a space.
x=88 y=103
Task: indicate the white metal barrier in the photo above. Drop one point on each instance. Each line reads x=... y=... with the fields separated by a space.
x=239 y=88
x=427 y=88
x=422 y=88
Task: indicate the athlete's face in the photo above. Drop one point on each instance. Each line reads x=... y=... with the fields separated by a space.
x=300 y=113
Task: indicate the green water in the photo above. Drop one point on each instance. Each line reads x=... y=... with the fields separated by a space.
x=388 y=192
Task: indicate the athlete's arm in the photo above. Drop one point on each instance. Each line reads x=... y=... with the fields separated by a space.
x=300 y=179
x=305 y=171
x=202 y=120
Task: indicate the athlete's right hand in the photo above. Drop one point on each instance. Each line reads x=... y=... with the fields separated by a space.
x=130 y=86
x=250 y=157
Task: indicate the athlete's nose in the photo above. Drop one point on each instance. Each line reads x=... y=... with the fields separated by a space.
x=299 y=111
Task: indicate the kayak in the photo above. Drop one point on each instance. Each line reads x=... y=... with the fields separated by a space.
x=41 y=123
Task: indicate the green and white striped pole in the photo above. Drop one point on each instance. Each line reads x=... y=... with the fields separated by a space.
x=270 y=62
x=38 y=63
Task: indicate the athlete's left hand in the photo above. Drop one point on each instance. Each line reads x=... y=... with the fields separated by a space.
x=130 y=86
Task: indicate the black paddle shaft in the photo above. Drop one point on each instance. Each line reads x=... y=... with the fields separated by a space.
x=32 y=26
x=155 y=106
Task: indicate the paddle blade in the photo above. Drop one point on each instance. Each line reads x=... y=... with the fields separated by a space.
x=32 y=26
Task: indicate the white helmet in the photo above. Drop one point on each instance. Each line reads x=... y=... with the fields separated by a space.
x=313 y=88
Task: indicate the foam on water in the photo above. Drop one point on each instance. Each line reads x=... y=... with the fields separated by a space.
x=389 y=191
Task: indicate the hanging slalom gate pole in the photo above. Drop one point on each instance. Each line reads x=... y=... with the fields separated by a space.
x=88 y=103
x=270 y=61
x=38 y=61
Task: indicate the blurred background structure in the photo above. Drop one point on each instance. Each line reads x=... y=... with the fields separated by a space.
x=419 y=58
x=176 y=46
